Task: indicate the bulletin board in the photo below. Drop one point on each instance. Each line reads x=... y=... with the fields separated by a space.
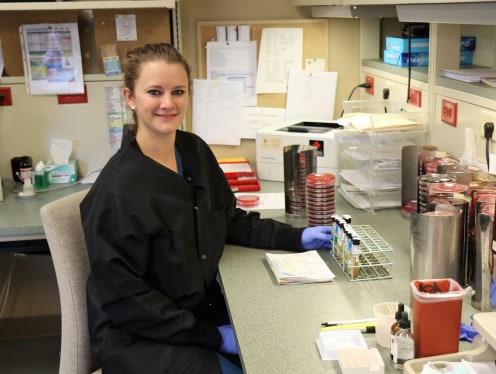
x=153 y=25
x=315 y=45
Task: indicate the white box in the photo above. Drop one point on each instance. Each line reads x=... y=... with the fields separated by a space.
x=332 y=341
x=361 y=361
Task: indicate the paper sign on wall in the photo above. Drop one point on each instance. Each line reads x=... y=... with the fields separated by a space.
x=52 y=58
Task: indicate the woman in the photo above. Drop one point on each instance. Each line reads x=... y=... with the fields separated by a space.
x=156 y=222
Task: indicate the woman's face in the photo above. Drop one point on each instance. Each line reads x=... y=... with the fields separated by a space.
x=161 y=97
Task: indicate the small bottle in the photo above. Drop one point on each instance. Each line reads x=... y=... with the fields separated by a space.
x=395 y=327
x=405 y=345
x=27 y=188
x=40 y=178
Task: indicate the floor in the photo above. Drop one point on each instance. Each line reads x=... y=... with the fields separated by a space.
x=30 y=356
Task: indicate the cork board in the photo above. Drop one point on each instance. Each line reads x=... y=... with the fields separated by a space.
x=153 y=25
x=315 y=45
x=9 y=34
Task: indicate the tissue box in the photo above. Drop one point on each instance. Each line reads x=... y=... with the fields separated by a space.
x=467 y=43
x=61 y=173
x=466 y=57
x=401 y=59
x=361 y=361
x=398 y=44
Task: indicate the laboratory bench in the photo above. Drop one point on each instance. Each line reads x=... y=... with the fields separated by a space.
x=276 y=325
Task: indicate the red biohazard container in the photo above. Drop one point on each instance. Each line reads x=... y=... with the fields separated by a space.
x=437 y=310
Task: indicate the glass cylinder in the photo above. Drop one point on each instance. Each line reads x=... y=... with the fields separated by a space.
x=299 y=161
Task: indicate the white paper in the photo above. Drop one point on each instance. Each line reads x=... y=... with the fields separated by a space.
x=244 y=33
x=492 y=163
x=221 y=33
x=234 y=61
x=281 y=49
x=315 y=64
x=255 y=118
x=311 y=95
x=116 y=114
x=52 y=58
x=125 y=27
x=217 y=110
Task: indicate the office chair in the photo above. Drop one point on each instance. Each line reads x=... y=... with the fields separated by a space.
x=62 y=225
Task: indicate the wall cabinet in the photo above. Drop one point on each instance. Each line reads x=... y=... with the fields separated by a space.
x=379 y=2
x=471 y=101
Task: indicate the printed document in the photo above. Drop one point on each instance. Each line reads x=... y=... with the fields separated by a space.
x=52 y=58
x=301 y=267
x=217 y=111
x=281 y=49
x=234 y=61
x=311 y=95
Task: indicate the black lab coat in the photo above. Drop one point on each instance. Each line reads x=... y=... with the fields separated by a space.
x=154 y=241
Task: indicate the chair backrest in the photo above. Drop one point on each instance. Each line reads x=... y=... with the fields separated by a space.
x=63 y=229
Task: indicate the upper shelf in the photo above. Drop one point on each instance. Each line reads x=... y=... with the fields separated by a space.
x=83 y=5
x=380 y=2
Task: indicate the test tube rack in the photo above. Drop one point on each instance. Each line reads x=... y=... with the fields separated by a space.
x=374 y=260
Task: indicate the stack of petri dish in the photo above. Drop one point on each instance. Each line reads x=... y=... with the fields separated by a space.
x=424 y=183
x=320 y=198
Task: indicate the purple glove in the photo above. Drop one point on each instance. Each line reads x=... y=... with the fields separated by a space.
x=316 y=237
x=228 y=344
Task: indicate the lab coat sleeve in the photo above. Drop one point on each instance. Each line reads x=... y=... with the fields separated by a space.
x=248 y=229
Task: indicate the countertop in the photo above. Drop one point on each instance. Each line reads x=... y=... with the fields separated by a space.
x=20 y=218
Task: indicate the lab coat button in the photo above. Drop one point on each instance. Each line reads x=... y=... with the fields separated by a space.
x=196 y=207
x=204 y=257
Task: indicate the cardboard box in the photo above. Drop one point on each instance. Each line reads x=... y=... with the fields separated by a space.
x=398 y=44
x=401 y=59
x=61 y=173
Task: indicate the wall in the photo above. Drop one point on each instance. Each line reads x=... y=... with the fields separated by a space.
x=24 y=129
x=344 y=42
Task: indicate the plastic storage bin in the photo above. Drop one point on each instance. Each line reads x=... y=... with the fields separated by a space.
x=371 y=150
x=485 y=324
x=437 y=310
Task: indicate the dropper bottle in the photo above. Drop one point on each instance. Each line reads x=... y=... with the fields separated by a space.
x=395 y=327
x=405 y=344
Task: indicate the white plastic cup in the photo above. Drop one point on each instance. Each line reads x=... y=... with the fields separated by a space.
x=384 y=314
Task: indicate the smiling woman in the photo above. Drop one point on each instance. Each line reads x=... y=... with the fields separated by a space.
x=156 y=222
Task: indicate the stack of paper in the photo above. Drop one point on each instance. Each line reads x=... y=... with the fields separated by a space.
x=301 y=267
x=469 y=75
